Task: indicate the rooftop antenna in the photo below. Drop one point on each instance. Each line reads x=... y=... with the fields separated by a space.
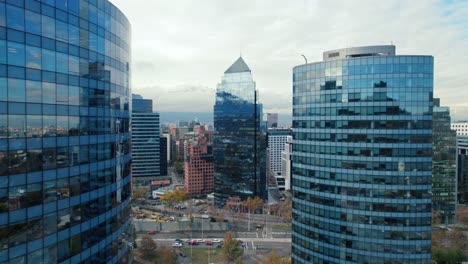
x=304 y=58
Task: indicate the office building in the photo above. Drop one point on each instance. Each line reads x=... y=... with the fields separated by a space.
x=286 y=162
x=198 y=162
x=444 y=187
x=462 y=170
x=64 y=132
x=461 y=127
x=272 y=120
x=145 y=140
x=362 y=157
x=277 y=137
x=239 y=146
x=163 y=141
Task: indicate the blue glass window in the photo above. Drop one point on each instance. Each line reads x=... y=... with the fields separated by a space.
x=16 y=126
x=2 y=15
x=48 y=60
x=73 y=65
x=3 y=134
x=33 y=57
x=62 y=4
x=16 y=54
x=48 y=27
x=93 y=14
x=62 y=94
x=73 y=6
x=33 y=22
x=73 y=35
x=15 y=17
x=62 y=62
x=3 y=51
x=62 y=31
x=93 y=41
x=48 y=93
x=34 y=126
x=33 y=92
x=49 y=130
x=3 y=89
x=16 y=90
x=74 y=95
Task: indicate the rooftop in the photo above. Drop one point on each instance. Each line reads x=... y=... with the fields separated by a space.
x=238 y=66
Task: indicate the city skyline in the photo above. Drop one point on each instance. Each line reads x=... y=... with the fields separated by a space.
x=272 y=37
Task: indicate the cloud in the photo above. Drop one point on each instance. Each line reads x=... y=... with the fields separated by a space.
x=188 y=44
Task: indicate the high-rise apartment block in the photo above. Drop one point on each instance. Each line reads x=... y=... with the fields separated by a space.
x=444 y=184
x=64 y=132
x=462 y=170
x=362 y=157
x=277 y=137
x=239 y=146
x=145 y=139
x=286 y=162
x=461 y=127
x=198 y=162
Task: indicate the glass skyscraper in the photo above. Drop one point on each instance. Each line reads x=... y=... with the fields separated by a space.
x=462 y=170
x=361 y=176
x=444 y=180
x=64 y=132
x=239 y=146
x=145 y=139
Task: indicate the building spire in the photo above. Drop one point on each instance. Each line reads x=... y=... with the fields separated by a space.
x=238 y=66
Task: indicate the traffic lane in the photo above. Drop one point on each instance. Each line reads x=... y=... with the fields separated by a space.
x=170 y=242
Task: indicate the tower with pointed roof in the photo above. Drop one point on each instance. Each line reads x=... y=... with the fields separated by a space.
x=239 y=146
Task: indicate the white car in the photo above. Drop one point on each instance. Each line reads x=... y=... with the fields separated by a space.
x=201 y=240
x=216 y=241
x=177 y=244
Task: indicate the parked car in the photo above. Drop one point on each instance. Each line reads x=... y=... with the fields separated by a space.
x=219 y=246
x=201 y=240
x=193 y=243
x=151 y=232
x=216 y=240
x=177 y=244
x=208 y=243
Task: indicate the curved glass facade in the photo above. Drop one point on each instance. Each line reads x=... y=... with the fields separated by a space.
x=239 y=169
x=361 y=175
x=64 y=132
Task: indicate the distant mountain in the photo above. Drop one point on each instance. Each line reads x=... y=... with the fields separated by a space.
x=207 y=117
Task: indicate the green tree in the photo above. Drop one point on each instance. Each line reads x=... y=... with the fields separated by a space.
x=179 y=166
x=147 y=247
x=447 y=255
x=138 y=193
x=176 y=196
x=230 y=248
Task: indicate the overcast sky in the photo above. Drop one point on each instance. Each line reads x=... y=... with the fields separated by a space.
x=181 y=48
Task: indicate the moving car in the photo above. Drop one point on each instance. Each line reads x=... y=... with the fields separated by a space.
x=208 y=243
x=177 y=244
x=151 y=232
